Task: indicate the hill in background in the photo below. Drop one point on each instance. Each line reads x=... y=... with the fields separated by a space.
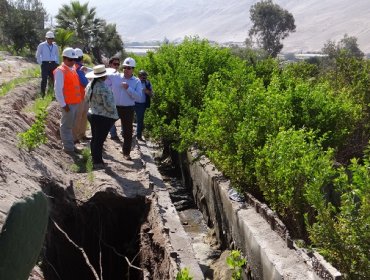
x=317 y=21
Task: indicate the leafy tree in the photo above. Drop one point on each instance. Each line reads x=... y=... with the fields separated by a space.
x=347 y=46
x=63 y=37
x=4 y=7
x=107 y=40
x=90 y=32
x=79 y=18
x=24 y=24
x=271 y=24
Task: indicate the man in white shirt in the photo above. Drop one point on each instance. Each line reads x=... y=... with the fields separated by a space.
x=126 y=89
x=47 y=55
x=114 y=62
x=68 y=94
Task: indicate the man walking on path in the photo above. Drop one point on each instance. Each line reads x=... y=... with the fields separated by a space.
x=126 y=89
x=47 y=55
x=79 y=130
x=68 y=94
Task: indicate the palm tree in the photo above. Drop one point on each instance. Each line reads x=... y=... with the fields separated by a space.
x=63 y=37
x=79 y=18
x=90 y=32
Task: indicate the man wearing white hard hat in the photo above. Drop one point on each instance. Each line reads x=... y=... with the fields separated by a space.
x=126 y=89
x=47 y=55
x=68 y=94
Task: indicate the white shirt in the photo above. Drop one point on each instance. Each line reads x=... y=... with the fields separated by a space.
x=124 y=97
x=46 y=52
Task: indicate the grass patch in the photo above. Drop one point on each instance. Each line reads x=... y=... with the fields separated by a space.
x=40 y=104
x=25 y=76
x=84 y=164
x=35 y=135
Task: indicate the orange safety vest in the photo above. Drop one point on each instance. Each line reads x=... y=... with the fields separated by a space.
x=71 y=88
x=82 y=88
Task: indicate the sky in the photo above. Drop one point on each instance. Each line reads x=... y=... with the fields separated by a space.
x=52 y=6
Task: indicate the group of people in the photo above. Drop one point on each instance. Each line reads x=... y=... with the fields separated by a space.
x=101 y=95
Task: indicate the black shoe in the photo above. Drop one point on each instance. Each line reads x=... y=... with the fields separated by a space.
x=127 y=157
x=97 y=166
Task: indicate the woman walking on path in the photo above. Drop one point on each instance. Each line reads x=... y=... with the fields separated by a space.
x=102 y=112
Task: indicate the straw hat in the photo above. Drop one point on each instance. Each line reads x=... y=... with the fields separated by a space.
x=99 y=71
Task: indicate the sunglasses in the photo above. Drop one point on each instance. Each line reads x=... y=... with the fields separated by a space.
x=115 y=64
x=127 y=68
x=70 y=59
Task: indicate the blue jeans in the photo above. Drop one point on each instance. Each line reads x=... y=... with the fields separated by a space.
x=140 y=112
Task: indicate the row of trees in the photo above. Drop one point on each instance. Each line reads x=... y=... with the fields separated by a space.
x=22 y=28
x=295 y=135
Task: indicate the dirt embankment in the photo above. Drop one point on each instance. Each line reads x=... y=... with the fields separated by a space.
x=100 y=212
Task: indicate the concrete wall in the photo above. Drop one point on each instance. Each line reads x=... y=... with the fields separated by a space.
x=269 y=253
x=165 y=232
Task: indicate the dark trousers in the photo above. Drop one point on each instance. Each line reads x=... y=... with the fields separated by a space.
x=47 y=69
x=140 y=112
x=126 y=114
x=99 y=129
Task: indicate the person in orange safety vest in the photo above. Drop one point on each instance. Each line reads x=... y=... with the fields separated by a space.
x=68 y=94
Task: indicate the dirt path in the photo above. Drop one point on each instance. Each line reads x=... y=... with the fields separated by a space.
x=12 y=66
x=24 y=173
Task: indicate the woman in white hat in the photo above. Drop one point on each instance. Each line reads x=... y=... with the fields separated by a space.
x=102 y=111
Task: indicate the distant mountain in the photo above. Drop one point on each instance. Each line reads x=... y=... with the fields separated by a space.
x=317 y=21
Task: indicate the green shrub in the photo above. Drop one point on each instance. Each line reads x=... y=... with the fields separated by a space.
x=180 y=75
x=236 y=262
x=342 y=232
x=290 y=167
x=35 y=135
x=84 y=164
x=184 y=274
x=329 y=114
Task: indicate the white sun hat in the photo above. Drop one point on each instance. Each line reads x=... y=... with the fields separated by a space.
x=99 y=71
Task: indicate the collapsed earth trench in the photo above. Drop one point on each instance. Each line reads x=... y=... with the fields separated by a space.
x=106 y=228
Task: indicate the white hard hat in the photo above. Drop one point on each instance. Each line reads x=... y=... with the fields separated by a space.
x=49 y=34
x=129 y=61
x=79 y=52
x=69 y=52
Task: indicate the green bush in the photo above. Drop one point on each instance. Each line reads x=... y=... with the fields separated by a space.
x=342 y=232
x=290 y=167
x=35 y=135
x=184 y=274
x=272 y=129
x=180 y=75
x=236 y=262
